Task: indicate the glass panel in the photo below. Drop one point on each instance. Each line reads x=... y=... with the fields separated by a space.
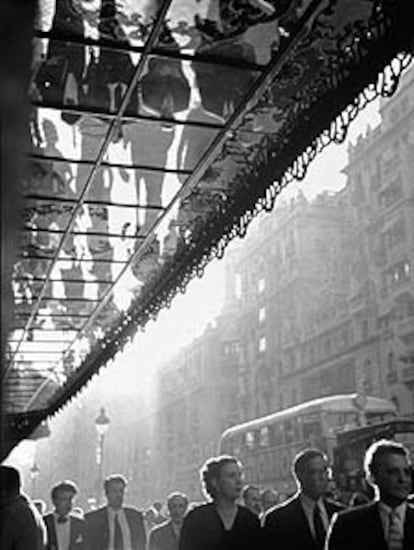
x=235 y=30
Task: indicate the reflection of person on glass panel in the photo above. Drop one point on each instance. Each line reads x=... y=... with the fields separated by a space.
x=60 y=75
x=164 y=91
x=62 y=171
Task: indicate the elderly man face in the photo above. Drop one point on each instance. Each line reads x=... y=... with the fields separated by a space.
x=177 y=507
x=393 y=478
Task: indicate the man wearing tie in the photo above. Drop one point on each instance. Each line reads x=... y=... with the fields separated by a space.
x=64 y=531
x=115 y=527
x=302 y=521
x=388 y=522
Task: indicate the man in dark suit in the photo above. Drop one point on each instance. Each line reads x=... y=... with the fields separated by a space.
x=115 y=527
x=387 y=523
x=167 y=535
x=302 y=521
x=64 y=531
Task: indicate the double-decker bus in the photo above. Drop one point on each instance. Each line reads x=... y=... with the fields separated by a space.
x=266 y=446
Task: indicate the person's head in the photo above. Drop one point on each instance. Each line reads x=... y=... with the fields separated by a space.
x=9 y=482
x=157 y=506
x=62 y=495
x=150 y=517
x=222 y=478
x=388 y=469
x=114 y=487
x=269 y=498
x=177 y=504
x=40 y=506
x=310 y=468
x=251 y=498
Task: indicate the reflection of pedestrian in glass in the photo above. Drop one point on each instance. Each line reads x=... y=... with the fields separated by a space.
x=62 y=174
x=163 y=91
x=221 y=524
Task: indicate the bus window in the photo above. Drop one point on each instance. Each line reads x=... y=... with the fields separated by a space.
x=249 y=440
x=264 y=436
x=276 y=435
x=373 y=417
x=236 y=447
x=341 y=421
x=290 y=429
x=312 y=427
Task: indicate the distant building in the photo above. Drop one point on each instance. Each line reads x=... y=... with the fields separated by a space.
x=196 y=401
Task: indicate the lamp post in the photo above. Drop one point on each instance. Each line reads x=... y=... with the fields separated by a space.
x=101 y=426
x=34 y=474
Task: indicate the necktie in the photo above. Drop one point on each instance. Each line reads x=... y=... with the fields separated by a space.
x=319 y=527
x=395 y=535
x=118 y=540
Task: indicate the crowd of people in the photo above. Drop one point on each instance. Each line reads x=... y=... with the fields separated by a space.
x=234 y=517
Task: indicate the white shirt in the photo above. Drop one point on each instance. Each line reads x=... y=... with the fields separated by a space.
x=62 y=533
x=126 y=535
x=385 y=511
x=308 y=506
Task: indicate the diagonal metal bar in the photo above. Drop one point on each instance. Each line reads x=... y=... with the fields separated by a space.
x=273 y=68
x=153 y=36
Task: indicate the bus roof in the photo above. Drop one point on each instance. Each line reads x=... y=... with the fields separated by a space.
x=336 y=403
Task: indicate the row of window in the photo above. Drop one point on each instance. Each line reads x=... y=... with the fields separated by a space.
x=238 y=285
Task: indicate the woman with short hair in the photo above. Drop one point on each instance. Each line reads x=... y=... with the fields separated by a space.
x=221 y=523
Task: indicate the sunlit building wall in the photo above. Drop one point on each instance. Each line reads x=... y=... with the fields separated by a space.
x=196 y=397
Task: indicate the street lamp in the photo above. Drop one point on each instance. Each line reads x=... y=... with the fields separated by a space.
x=101 y=426
x=34 y=474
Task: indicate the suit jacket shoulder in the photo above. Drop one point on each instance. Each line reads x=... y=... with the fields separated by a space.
x=96 y=514
x=333 y=506
x=286 y=508
x=357 y=528
x=133 y=512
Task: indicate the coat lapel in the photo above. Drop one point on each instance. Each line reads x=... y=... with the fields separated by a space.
x=375 y=533
x=303 y=520
x=50 y=522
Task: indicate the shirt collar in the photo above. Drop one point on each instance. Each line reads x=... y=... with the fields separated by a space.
x=112 y=512
x=309 y=503
x=399 y=510
x=57 y=516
